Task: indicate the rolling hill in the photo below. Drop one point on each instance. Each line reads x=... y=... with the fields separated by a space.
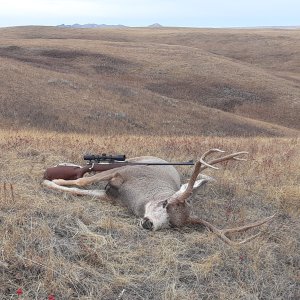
x=162 y=81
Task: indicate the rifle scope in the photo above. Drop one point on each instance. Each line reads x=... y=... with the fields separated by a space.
x=104 y=157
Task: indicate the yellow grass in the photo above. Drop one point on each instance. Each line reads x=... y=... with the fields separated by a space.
x=140 y=81
x=82 y=248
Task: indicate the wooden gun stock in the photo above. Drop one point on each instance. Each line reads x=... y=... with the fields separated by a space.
x=74 y=172
x=65 y=172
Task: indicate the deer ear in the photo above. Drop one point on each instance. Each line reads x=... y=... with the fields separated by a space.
x=198 y=183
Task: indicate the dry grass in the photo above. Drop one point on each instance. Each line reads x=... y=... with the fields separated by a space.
x=81 y=248
x=185 y=81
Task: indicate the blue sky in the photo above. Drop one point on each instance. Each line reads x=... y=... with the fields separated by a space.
x=188 y=13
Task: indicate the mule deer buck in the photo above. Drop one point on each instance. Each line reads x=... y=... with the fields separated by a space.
x=155 y=194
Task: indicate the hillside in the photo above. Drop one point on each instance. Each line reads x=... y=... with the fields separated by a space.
x=151 y=81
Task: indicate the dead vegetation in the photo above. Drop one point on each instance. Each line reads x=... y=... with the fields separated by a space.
x=216 y=79
x=80 y=248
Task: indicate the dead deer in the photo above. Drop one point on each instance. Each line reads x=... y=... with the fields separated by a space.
x=155 y=193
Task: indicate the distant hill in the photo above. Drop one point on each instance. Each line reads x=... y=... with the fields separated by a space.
x=155 y=25
x=176 y=81
x=91 y=26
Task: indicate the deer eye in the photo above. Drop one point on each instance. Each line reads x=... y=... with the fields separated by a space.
x=165 y=203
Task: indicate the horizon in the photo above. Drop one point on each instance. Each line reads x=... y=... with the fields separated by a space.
x=134 y=13
x=111 y=26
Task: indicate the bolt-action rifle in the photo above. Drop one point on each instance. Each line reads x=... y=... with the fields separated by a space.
x=99 y=163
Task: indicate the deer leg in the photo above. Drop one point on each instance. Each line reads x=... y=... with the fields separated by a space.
x=84 y=181
x=75 y=191
x=221 y=233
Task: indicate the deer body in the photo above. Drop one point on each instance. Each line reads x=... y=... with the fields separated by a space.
x=154 y=193
x=151 y=184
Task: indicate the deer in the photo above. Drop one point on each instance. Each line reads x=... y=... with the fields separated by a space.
x=155 y=193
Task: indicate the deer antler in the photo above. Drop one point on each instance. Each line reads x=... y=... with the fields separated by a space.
x=220 y=159
x=221 y=233
x=201 y=165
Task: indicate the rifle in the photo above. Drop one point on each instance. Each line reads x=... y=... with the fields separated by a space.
x=98 y=163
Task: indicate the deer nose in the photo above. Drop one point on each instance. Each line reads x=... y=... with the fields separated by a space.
x=147 y=224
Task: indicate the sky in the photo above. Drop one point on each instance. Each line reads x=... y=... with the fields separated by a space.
x=179 y=13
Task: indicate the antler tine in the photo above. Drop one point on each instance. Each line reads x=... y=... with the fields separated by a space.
x=223 y=158
x=221 y=233
x=208 y=165
x=240 y=159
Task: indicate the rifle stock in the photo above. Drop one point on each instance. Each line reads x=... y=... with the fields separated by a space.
x=74 y=172
x=65 y=172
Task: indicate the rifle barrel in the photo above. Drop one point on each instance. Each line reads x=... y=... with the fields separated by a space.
x=189 y=163
x=168 y=164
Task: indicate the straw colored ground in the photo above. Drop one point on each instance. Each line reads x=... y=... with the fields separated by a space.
x=81 y=248
x=147 y=81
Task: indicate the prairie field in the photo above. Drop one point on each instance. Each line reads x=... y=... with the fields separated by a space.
x=148 y=81
x=171 y=93
x=82 y=248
